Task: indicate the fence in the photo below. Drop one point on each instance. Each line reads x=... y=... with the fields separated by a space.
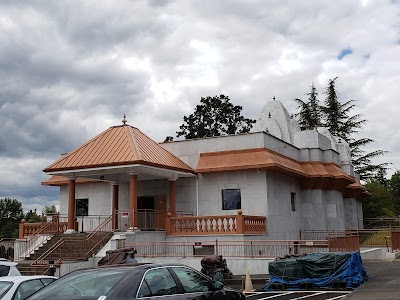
x=246 y=249
x=225 y=224
x=367 y=238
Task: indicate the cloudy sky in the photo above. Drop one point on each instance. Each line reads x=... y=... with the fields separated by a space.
x=71 y=69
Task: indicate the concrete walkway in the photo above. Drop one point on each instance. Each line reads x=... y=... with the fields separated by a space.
x=384 y=284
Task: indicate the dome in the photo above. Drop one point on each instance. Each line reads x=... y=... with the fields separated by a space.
x=275 y=119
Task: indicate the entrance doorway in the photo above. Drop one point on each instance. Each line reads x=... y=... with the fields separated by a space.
x=151 y=212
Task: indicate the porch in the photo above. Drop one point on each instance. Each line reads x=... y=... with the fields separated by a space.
x=182 y=224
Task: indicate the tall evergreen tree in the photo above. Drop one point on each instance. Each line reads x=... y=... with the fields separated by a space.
x=309 y=116
x=335 y=115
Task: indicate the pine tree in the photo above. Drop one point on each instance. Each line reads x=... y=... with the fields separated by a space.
x=309 y=116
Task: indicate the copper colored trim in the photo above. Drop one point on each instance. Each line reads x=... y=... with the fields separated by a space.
x=312 y=175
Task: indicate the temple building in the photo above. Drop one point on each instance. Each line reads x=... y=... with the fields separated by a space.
x=269 y=183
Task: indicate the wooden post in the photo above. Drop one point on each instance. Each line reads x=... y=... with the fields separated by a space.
x=172 y=197
x=71 y=204
x=168 y=224
x=132 y=200
x=21 y=228
x=240 y=222
x=114 y=206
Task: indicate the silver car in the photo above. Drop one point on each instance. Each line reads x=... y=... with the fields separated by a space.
x=21 y=287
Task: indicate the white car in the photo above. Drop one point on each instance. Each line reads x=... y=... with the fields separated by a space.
x=8 y=268
x=21 y=287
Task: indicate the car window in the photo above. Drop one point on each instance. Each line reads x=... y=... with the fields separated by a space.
x=192 y=281
x=4 y=287
x=4 y=270
x=158 y=282
x=47 y=281
x=27 y=288
x=88 y=284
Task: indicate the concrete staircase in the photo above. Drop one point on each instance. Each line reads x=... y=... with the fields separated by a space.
x=66 y=247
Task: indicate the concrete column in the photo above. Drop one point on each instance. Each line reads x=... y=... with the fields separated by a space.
x=172 y=197
x=71 y=206
x=133 y=200
x=114 y=205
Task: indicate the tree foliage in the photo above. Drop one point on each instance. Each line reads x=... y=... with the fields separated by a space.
x=32 y=217
x=309 y=116
x=214 y=116
x=336 y=116
x=11 y=215
x=50 y=209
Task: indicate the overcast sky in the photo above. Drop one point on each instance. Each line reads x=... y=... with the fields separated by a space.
x=70 y=69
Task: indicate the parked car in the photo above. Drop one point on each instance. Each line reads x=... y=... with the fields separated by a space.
x=8 y=268
x=138 y=281
x=21 y=287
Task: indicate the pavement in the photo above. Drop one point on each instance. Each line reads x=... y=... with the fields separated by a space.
x=384 y=283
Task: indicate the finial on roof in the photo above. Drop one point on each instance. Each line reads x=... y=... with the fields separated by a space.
x=269 y=115
x=273 y=98
x=124 y=120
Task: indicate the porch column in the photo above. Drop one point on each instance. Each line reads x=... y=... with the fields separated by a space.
x=71 y=206
x=114 y=205
x=172 y=197
x=132 y=200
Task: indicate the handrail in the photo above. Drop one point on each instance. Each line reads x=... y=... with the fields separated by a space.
x=31 y=242
x=54 y=247
x=94 y=233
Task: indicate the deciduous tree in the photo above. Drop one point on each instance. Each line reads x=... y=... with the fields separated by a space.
x=214 y=116
x=11 y=215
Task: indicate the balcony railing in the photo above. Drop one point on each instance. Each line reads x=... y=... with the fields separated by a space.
x=224 y=224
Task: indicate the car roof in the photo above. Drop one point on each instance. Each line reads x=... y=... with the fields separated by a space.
x=136 y=266
x=24 y=278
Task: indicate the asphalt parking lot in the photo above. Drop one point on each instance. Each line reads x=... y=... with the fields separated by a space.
x=383 y=285
x=309 y=295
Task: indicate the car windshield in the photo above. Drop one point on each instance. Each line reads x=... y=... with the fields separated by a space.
x=4 y=287
x=86 y=284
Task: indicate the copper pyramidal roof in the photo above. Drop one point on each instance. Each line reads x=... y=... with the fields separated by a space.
x=117 y=146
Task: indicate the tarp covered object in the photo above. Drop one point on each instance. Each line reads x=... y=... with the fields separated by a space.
x=321 y=269
x=117 y=257
x=212 y=265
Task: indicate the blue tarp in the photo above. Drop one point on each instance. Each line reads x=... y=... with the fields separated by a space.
x=320 y=269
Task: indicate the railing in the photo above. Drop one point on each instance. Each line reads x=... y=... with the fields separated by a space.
x=245 y=249
x=35 y=239
x=343 y=242
x=367 y=237
x=70 y=247
x=225 y=224
x=375 y=223
x=395 y=239
x=50 y=227
x=146 y=219
x=97 y=235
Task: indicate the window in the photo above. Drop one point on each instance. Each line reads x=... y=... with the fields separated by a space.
x=27 y=288
x=158 y=282
x=231 y=199
x=82 y=207
x=192 y=281
x=293 y=201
